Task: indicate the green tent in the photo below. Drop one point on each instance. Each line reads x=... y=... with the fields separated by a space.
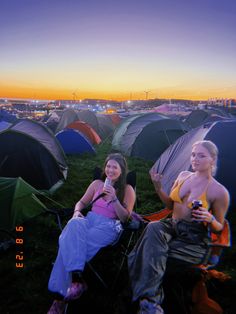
x=18 y=202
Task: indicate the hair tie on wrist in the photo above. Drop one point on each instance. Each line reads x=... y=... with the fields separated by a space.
x=212 y=219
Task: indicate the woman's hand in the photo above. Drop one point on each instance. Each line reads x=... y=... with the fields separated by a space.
x=110 y=193
x=156 y=179
x=202 y=214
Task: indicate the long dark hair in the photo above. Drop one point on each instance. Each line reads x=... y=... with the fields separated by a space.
x=121 y=182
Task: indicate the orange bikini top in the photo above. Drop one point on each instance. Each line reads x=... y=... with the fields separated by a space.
x=174 y=194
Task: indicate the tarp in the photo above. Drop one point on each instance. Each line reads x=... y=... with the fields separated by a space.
x=176 y=158
x=18 y=202
x=147 y=135
x=74 y=142
x=30 y=150
x=86 y=130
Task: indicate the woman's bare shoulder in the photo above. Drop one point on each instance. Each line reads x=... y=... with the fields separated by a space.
x=96 y=184
x=129 y=188
x=218 y=189
x=184 y=174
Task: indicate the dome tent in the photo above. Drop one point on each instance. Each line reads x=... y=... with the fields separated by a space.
x=29 y=150
x=147 y=135
x=74 y=142
x=200 y=116
x=90 y=118
x=176 y=158
x=67 y=116
x=86 y=130
x=6 y=116
x=106 y=126
x=18 y=202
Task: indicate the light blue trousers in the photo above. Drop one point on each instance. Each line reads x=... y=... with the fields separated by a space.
x=79 y=242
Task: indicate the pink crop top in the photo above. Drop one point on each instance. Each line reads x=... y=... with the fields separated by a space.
x=104 y=208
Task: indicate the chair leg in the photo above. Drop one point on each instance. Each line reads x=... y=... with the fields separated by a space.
x=125 y=254
x=97 y=275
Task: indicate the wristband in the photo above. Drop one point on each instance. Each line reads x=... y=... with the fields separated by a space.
x=212 y=219
x=76 y=211
x=113 y=201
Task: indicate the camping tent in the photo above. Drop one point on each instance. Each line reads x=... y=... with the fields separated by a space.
x=86 y=130
x=176 y=158
x=18 y=202
x=6 y=116
x=200 y=116
x=68 y=116
x=90 y=118
x=147 y=135
x=74 y=142
x=30 y=150
x=106 y=126
x=116 y=119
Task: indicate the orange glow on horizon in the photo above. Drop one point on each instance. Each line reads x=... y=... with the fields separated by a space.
x=53 y=94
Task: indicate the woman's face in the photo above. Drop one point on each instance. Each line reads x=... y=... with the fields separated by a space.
x=201 y=159
x=112 y=170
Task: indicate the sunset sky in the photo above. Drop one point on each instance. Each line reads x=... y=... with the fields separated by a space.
x=118 y=49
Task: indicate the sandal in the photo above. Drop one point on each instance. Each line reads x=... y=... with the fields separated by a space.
x=75 y=291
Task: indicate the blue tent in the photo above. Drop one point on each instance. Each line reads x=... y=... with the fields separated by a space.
x=74 y=142
x=6 y=116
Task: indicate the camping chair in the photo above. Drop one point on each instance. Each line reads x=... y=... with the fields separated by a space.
x=195 y=275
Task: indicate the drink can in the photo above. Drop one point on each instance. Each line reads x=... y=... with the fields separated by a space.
x=107 y=182
x=196 y=204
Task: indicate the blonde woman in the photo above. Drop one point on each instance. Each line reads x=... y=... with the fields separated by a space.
x=199 y=203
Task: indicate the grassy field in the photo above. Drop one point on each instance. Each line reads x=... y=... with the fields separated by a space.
x=25 y=290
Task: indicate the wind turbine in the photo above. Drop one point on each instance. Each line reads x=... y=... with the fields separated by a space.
x=74 y=94
x=146 y=92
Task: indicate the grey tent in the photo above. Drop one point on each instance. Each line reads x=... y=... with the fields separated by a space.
x=199 y=117
x=68 y=116
x=147 y=135
x=31 y=151
x=176 y=158
x=106 y=126
x=90 y=118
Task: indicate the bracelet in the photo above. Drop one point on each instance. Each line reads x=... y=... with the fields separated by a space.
x=77 y=210
x=212 y=219
x=113 y=201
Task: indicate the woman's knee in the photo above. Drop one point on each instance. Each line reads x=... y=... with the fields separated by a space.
x=153 y=226
x=156 y=230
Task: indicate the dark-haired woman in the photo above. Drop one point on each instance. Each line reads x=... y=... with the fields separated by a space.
x=83 y=236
